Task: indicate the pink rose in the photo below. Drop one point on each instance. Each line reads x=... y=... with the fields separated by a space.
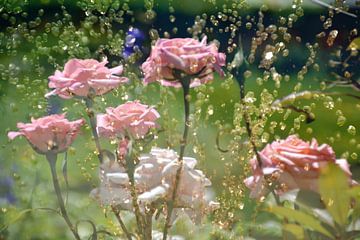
x=84 y=77
x=130 y=118
x=185 y=54
x=293 y=163
x=52 y=133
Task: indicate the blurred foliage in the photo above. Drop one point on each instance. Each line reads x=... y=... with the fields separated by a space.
x=37 y=37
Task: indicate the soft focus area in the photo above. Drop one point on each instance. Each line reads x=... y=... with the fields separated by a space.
x=280 y=80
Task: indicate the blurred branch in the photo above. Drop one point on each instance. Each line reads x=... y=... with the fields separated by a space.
x=218 y=142
x=238 y=70
x=324 y=4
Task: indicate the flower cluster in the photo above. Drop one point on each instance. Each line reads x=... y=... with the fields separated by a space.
x=154 y=176
x=293 y=164
x=162 y=179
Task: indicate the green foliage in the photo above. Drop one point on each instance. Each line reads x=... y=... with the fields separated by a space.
x=305 y=220
x=333 y=187
x=334 y=213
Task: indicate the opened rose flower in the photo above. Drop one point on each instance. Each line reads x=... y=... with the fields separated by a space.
x=53 y=133
x=85 y=77
x=129 y=118
x=292 y=164
x=191 y=196
x=186 y=55
x=154 y=177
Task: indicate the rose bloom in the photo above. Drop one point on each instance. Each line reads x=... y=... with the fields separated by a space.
x=186 y=55
x=53 y=133
x=192 y=196
x=115 y=188
x=293 y=164
x=132 y=117
x=85 y=77
x=154 y=177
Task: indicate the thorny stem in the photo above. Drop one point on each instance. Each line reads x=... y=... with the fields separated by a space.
x=123 y=227
x=185 y=83
x=90 y=112
x=51 y=157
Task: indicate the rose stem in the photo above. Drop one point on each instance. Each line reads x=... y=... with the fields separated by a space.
x=123 y=227
x=90 y=112
x=185 y=83
x=130 y=169
x=51 y=157
x=148 y=225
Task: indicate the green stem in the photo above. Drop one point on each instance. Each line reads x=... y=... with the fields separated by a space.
x=90 y=112
x=121 y=222
x=51 y=157
x=130 y=169
x=148 y=225
x=185 y=83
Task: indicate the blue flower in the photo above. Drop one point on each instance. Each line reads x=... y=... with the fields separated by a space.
x=6 y=193
x=133 y=41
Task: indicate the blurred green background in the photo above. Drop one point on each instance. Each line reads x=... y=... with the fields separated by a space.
x=37 y=37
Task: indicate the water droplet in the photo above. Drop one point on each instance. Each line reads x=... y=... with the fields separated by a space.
x=351 y=130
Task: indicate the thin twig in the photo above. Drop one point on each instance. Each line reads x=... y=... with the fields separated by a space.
x=247 y=121
x=90 y=112
x=324 y=4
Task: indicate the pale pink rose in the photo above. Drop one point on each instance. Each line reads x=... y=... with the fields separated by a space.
x=192 y=192
x=187 y=55
x=292 y=164
x=154 y=176
x=85 y=77
x=52 y=133
x=114 y=186
x=130 y=118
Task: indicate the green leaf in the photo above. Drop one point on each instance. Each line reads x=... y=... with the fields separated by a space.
x=333 y=187
x=309 y=199
x=307 y=221
x=296 y=231
x=355 y=44
x=354 y=193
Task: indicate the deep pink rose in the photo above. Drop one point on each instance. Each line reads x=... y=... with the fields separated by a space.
x=130 y=118
x=52 y=133
x=84 y=77
x=185 y=54
x=293 y=164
